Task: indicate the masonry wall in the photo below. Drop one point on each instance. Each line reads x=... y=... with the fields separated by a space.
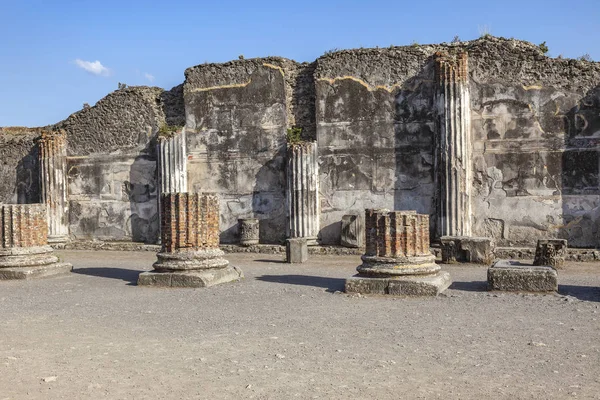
x=535 y=128
x=375 y=126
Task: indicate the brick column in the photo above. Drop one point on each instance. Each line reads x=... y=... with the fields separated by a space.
x=302 y=194
x=24 y=250
x=190 y=254
x=397 y=260
x=53 y=175
x=453 y=145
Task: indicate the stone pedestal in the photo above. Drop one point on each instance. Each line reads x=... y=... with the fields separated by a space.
x=190 y=254
x=397 y=260
x=24 y=250
x=249 y=231
x=53 y=175
x=453 y=146
x=353 y=231
x=296 y=251
x=513 y=276
x=476 y=250
x=551 y=252
x=302 y=192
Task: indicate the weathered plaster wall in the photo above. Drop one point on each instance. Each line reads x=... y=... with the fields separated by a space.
x=237 y=115
x=375 y=126
x=535 y=135
x=535 y=123
x=111 y=173
x=19 y=176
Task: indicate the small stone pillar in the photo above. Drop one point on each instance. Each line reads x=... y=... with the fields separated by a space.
x=551 y=252
x=249 y=231
x=302 y=194
x=460 y=249
x=190 y=254
x=53 y=175
x=24 y=250
x=353 y=231
x=397 y=259
x=296 y=251
x=453 y=146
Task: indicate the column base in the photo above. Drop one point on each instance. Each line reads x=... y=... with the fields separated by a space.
x=418 y=285
x=36 y=272
x=190 y=278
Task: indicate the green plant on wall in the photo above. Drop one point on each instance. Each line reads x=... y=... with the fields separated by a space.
x=168 y=130
x=543 y=48
x=294 y=135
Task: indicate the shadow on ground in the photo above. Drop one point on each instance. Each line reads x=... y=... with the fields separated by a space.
x=128 y=275
x=585 y=293
x=473 y=286
x=331 y=284
x=272 y=261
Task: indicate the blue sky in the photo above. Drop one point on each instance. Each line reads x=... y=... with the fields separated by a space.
x=46 y=46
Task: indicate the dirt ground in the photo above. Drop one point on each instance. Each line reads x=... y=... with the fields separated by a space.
x=286 y=331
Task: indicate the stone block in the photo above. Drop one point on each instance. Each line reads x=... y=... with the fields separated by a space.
x=190 y=279
x=353 y=231
x=44 y=271
x=550 y=252
x=416 y=285
x=476 y=250
x=513 y=276
x=296 y=250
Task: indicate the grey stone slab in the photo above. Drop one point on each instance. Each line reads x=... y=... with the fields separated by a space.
x=43 y=271
x=424 y=285
x=477 y=250
x=514 y=276
x=296 y=250
x=190 y=279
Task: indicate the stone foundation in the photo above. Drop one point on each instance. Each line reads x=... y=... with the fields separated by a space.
x=397 y=260
x=190 y=254
x=476 y=250
x=513 y=276
x=24 y=249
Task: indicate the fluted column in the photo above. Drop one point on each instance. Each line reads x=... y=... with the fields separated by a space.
x=172 y=163
x=453 y=145
x=302 y=192
x=53 y=173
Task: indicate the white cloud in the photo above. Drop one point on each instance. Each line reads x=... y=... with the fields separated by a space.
x=148 y=76
x=94 y=67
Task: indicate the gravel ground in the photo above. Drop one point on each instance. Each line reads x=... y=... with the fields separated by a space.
x=286 y=331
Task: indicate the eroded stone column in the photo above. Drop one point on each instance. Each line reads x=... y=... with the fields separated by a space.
x=302 y=194
x=190 y=254
x=453 y=146
x=249 y=231
x=397 y=259
x=53 y=175
x=24 y=249
x=172 y=162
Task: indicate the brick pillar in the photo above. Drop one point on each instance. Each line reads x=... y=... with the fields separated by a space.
x=190 y=254
x=397 y=260
x=453 y=145
x=24 y=250
x=397 y=243
x=53 y=175
x=302 y=194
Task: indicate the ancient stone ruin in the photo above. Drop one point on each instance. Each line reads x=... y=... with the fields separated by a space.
x=190 y=255
x=515 y=276
x=397 y=260
x=490 y=138
x=24 y=249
